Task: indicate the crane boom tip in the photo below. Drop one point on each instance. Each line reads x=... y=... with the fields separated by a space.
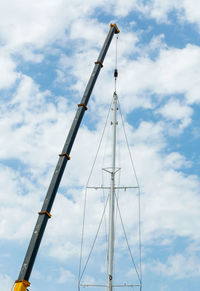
x=115 y=25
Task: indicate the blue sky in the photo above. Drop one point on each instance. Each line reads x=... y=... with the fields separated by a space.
x=47 y=51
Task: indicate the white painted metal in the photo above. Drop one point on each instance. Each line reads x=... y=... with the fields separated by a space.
x=111 y=233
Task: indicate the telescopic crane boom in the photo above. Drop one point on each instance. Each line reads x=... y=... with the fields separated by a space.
x=22 y=282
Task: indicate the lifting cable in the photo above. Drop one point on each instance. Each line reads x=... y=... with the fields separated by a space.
x=116 y=71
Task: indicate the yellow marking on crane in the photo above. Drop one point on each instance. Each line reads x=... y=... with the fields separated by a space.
x=100 y=63
x=65 y=154
x=82 y=104
x=21 y=285
x=115 y=25
x=45 y=212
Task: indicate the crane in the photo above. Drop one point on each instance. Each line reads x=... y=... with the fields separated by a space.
x=22 y=283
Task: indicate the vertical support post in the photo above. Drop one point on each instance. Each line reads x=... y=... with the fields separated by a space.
x=111 y=236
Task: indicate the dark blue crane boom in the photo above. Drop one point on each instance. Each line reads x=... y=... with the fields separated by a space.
x=22 y=282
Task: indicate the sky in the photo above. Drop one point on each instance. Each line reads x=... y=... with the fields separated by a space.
x=47 y=52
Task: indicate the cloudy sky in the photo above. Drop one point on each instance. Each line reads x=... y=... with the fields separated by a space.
x=47 y=52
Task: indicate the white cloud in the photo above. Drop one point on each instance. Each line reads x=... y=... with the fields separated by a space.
x=169 y=197
x=93 y=35
x=149 y=133
x=145 y=82
x=156 y=44
x=180 y=266
x=168 y=193
x=161 y=219
x=29 y=29
x=5 y=282
x=174 y=110
x=28 y=116
x=36 y=126
x=33 y=25
x=165 y=206
x=65 y=276
x=177 y=161
x=123 y=8
x=159 y=10
x=16 y=210
x=7 y=70
x=178 y=113
x=142 y=82
x=185 y=10
x=192 y=11
x=24 y=22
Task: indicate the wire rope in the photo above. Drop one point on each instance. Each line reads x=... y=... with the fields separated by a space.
x=133 y=261
x=116 y=56
x=106 y=234
x=94 y=240
x=139 y=197
x=85 y=196
x=103 y=163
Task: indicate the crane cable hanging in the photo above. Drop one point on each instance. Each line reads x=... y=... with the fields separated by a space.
x=116 y=71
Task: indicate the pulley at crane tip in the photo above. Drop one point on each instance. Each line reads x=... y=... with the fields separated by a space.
x=115 y=25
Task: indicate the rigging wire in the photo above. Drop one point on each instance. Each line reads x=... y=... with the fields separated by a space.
x=106 y=233
x=139 y=197
x=85 y=197
x=94 y=241
x=103 y=164
x=133 y=261
x=139 y=274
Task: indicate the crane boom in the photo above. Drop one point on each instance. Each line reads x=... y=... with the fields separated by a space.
x=23 y=280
